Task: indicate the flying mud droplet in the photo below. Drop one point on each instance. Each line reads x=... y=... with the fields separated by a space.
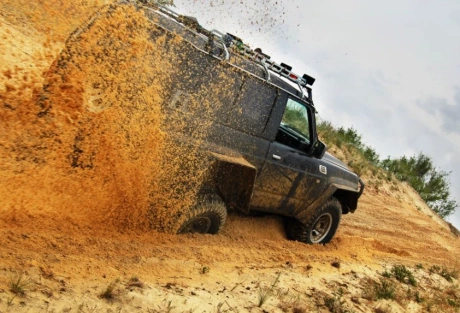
x=91 y=141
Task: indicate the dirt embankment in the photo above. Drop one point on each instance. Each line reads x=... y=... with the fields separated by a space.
x=75 y=224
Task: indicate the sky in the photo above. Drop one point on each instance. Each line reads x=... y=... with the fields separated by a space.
x=390 y=69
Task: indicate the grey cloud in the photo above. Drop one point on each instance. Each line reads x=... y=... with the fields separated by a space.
x=448 y=113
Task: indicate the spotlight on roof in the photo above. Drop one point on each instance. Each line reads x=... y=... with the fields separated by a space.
x=310 y=80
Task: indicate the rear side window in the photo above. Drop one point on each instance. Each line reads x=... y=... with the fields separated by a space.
x=253 y=107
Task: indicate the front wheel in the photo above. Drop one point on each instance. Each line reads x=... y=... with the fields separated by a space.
x=320 y=227
x=208 y=217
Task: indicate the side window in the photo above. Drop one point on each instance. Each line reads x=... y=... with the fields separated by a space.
x=253 y=107
x=294 y=130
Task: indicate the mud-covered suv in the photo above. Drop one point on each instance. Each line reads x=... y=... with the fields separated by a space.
x=254 y=119
x=270 y=158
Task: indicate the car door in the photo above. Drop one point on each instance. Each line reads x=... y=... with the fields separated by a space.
x=288 y=175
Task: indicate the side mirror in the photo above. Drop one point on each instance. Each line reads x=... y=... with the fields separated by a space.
x=319 y=149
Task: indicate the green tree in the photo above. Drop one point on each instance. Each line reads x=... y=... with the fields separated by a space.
x=445 y=208
x=372 y=156
x=431 y=183
x=351 y=136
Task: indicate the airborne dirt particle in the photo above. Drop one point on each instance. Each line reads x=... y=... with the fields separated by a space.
x=89 y=146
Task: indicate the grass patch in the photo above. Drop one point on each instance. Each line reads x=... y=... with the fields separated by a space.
x=264 y=293
x=453 y=297
x=19 y=284
x=455 y=303
x=447 y=274
x=403 y=275
x=386 y=274
x=383 y=289
x=109 y=292
x=415 y=295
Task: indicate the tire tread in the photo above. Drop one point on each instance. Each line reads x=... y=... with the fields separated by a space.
x=210 y=205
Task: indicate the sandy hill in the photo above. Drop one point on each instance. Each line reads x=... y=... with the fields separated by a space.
x=61 y=251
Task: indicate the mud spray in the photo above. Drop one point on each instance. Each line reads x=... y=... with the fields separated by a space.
x=83 y=140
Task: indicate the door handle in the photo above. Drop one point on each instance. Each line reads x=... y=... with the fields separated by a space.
x=276 y=157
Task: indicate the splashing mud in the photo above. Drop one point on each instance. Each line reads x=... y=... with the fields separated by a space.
x=89 y=145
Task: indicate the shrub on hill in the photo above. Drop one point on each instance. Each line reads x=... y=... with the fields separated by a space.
x=418 y=171
x=431 y=183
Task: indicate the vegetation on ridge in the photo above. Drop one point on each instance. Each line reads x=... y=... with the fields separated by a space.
x=431 y=183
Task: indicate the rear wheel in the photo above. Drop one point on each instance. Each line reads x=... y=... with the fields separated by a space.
x=208 y=217
x=320 y=227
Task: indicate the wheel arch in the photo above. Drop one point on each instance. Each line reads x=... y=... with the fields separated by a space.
x=236 y=190
x=348 y=200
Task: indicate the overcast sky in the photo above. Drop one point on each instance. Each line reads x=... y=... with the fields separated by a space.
x=390 y=69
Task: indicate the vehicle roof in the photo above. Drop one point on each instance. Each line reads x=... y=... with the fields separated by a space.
x=200 y=41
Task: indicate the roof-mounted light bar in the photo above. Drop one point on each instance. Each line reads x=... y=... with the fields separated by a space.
x=257 y=55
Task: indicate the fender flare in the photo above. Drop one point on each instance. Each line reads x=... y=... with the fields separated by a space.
x=235 y=189
x=347 y=197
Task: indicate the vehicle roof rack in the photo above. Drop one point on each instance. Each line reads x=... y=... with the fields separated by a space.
x=258 y=56
x=234 y=43
x=281 y=69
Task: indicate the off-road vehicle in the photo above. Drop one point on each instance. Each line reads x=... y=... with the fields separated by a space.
x=258 y=131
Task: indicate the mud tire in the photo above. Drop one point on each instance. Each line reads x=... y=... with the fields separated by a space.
x=321 y=226
x=208 y=217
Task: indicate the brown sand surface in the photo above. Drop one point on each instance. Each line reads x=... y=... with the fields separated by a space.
x=70 y=233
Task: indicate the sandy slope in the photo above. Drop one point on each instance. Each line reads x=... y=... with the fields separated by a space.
x=68 y=260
